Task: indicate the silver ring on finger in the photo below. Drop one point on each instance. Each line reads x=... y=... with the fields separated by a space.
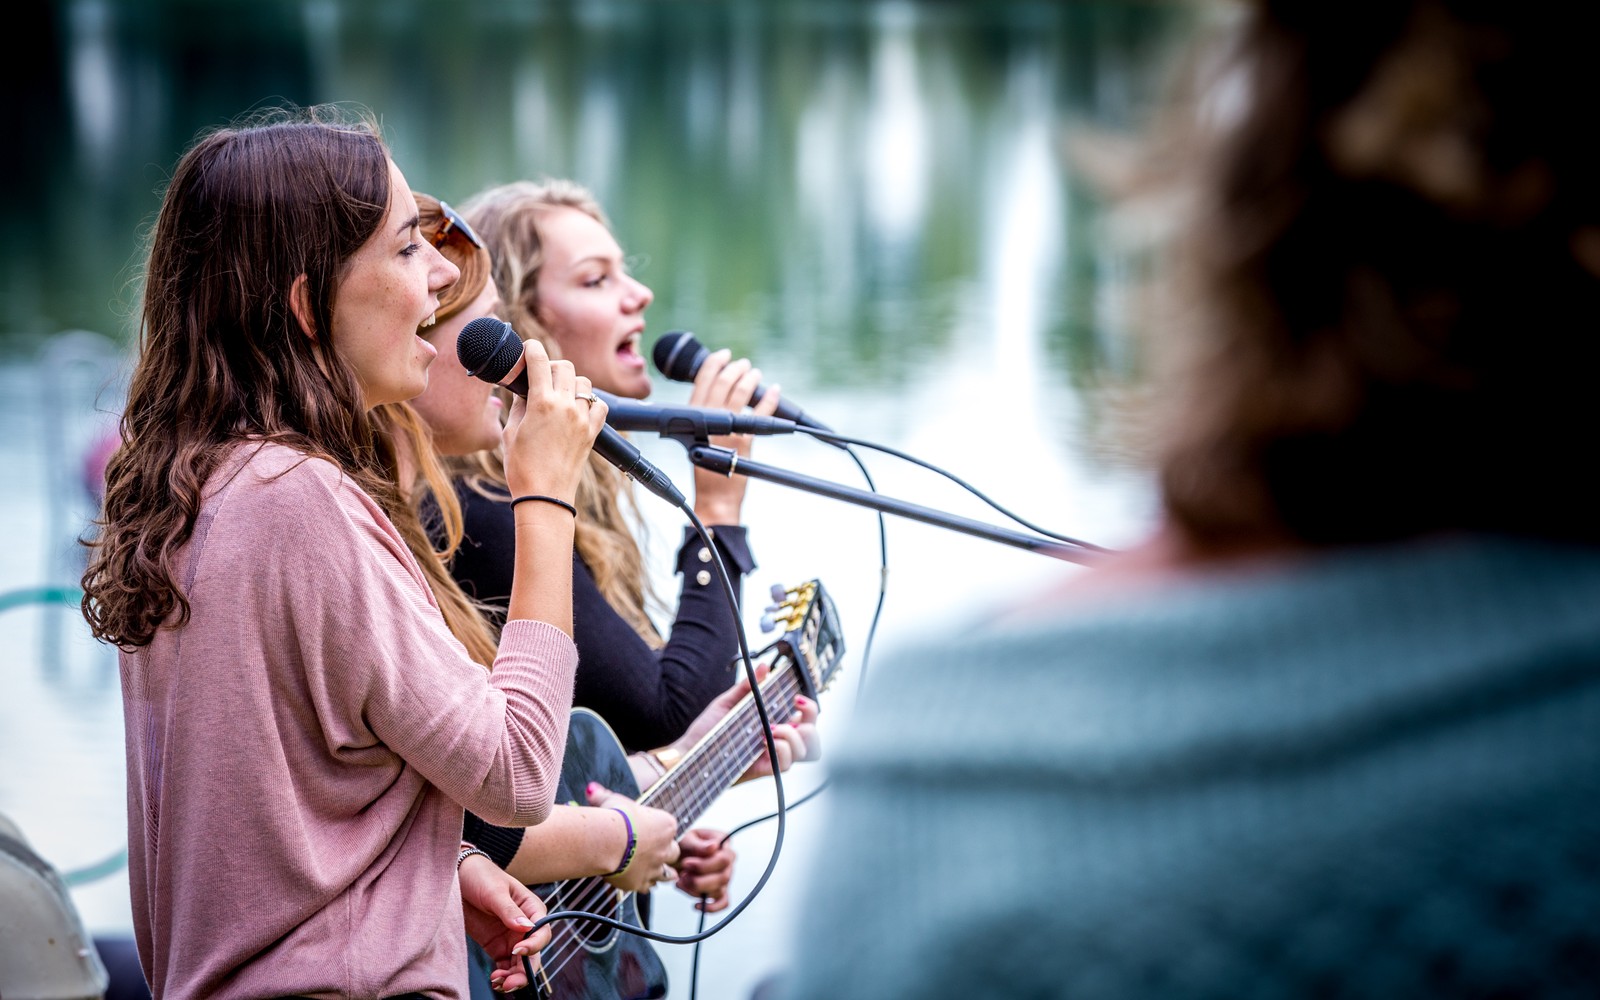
x=588 y=397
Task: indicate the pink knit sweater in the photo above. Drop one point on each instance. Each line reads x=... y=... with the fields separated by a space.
x=299 y=753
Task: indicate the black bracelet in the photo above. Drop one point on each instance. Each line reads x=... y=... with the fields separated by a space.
x=467 y=852
x=559 y=503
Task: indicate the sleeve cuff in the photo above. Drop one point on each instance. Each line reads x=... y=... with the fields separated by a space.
x=499 y=842
x=731 y=542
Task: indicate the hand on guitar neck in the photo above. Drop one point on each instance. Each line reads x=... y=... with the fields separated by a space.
x=795 y=737
x=699 y=862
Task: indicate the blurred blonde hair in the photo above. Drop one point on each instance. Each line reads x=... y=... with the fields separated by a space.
x=507 y=219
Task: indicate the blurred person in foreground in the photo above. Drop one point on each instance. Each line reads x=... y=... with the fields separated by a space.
x=1335 y=729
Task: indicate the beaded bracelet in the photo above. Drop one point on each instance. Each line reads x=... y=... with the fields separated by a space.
x=633 y=844
x=559 y=503
x=467 y=852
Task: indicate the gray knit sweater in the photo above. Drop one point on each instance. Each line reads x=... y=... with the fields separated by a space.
x=1374 y=773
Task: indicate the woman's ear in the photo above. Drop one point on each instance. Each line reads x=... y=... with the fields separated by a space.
x=300 y=305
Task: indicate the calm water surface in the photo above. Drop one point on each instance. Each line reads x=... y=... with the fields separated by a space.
x=869 y=199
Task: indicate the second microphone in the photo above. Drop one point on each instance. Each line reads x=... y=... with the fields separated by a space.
x=488 y=348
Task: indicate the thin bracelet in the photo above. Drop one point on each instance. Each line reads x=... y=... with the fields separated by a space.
x=654 y=762
x=467 y=852
x=559 y=503
x=633 y=843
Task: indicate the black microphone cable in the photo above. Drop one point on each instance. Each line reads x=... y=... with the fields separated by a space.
x=831 y=436
x=866 y=657
x=883 y=573
x=694 y=963
x=772 y=752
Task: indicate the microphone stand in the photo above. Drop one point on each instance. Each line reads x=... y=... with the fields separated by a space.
x=726 y=462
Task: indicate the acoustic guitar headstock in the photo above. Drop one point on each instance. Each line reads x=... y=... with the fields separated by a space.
x=811 y=637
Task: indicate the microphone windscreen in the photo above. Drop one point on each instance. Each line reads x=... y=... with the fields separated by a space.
x=488 y=348
x=678 y=355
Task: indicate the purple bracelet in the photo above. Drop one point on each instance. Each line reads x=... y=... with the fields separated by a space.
x=633 y=843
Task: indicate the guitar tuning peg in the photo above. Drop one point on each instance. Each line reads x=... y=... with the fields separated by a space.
x=779 y=593
x=768 y=623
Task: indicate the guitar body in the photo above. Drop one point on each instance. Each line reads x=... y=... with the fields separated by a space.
x=612 y=965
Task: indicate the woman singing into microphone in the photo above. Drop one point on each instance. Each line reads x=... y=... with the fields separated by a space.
x=563 y=282
x=303 y=730
x=633 y=846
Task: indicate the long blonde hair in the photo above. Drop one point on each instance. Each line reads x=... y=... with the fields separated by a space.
x=507 y=218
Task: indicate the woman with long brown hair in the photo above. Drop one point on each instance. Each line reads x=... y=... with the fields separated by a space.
x=302 y=728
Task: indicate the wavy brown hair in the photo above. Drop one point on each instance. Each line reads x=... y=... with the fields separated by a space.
x=1393 y=267
x=507 y=218
x=222 y=359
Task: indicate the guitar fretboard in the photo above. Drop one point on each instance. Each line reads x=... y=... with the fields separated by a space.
x=726 y=752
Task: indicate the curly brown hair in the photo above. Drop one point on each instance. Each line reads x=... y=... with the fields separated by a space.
x=222 y=358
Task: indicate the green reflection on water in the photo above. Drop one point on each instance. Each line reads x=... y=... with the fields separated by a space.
x=836 y=188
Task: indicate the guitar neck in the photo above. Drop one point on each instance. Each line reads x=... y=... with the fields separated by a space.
x=726 y=752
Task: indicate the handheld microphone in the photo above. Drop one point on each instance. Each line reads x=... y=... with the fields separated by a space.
x=678 y=355
x=490 y=349
x=695 y=421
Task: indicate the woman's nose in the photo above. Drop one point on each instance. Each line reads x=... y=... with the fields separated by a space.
x=443 y=273
x=639 y=296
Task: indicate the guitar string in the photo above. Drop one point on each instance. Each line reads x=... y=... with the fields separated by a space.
x=701 y=795
x=594 y=889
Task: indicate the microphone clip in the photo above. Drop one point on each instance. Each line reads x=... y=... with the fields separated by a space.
x=722 y=461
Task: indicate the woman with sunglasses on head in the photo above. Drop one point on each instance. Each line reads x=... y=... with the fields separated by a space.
x=303 y=730
x=632 y=845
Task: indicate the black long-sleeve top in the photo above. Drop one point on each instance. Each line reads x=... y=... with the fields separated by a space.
x=648 y=696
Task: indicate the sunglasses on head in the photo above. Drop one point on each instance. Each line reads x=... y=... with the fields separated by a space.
x=454 y=223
